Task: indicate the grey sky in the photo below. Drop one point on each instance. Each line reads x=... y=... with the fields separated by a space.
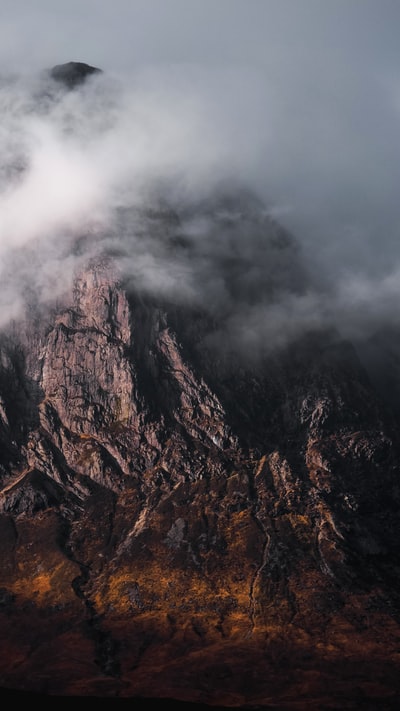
x=308 y=90
x=301 y=98
x=124 y=33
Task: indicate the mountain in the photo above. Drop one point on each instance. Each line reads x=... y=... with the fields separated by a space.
x=72 y=74
x=188 y=513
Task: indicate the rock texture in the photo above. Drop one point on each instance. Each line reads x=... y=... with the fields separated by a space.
x=170 y=528
x=177 y=521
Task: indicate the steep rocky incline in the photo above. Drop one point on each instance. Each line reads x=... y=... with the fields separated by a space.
x=179 y=524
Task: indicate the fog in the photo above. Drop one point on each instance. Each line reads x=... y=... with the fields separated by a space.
x=296 y=102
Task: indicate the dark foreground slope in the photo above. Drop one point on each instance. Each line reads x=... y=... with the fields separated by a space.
x=184 y=518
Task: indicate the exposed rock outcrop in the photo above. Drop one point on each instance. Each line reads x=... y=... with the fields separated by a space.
x=180 y=518
x=158 y=550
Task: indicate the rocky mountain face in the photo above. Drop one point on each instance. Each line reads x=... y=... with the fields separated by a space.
x=181 y=519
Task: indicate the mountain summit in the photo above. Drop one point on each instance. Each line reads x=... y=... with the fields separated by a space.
x=73 y=74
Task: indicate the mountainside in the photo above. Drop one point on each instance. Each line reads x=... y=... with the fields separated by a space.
x=186 y=513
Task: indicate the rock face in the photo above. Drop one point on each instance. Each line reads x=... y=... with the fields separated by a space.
x=171 y=527
x=179 y=521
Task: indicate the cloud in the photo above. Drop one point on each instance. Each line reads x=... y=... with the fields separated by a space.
x=74 y=160
x=196 y=181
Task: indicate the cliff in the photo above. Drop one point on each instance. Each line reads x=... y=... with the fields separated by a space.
x=182 y=518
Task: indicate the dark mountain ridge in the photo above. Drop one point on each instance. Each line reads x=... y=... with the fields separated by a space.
x=188 y=513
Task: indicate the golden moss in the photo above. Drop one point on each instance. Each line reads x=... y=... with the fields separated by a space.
x=48 y=586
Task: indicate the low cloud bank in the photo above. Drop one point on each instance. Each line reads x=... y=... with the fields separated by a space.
x=165 y=177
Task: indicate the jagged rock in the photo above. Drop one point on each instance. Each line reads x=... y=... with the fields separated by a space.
x=178 y=536
x=32 y=492
x=180 y=521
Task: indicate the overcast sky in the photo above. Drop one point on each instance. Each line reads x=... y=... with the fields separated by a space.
x=309 y=90
x=300 y=97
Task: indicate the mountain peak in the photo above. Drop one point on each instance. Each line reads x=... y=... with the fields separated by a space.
x=72 y=73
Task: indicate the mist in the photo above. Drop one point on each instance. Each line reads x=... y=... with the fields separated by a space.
x=294 y=114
